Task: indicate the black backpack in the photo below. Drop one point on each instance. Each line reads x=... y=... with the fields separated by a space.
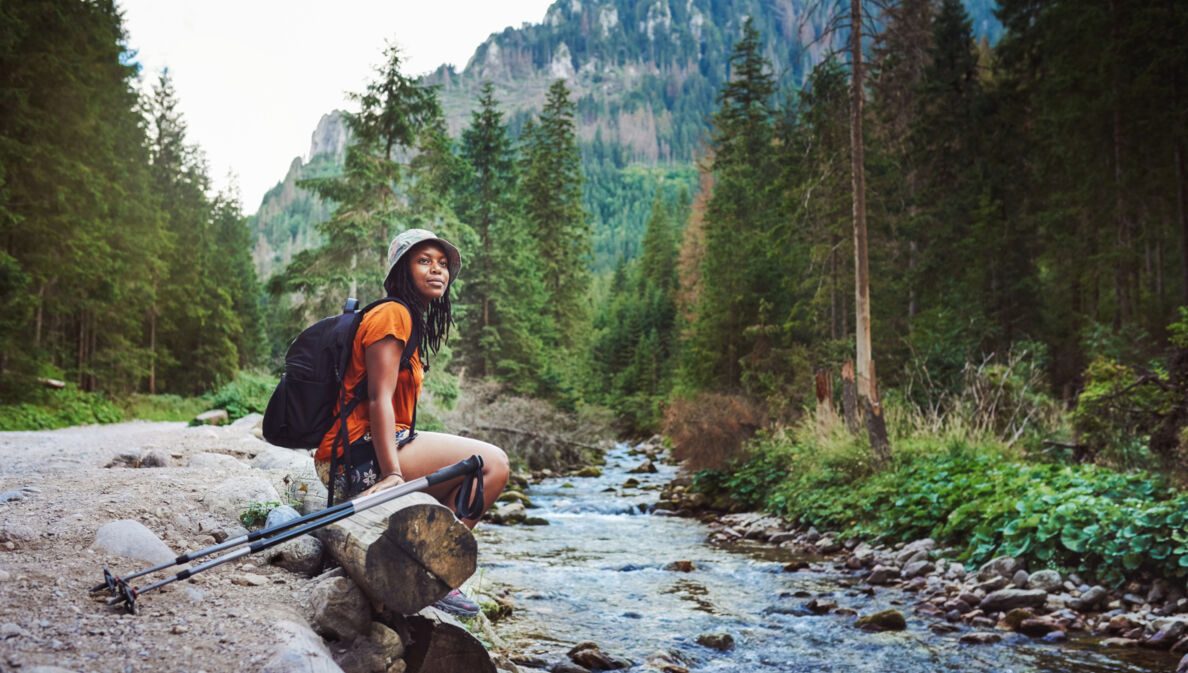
x=301 y=409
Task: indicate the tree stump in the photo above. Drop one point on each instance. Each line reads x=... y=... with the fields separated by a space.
x=404 y=554
x=825 y=410
x=441 y=645
x=876 y=426
x=850 y=398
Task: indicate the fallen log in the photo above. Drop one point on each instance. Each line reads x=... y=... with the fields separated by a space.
x=404 y=554
x=442 y=645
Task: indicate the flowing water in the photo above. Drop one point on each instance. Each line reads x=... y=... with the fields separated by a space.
x=597 y=572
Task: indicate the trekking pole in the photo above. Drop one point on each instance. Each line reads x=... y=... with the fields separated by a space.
x=261 y=540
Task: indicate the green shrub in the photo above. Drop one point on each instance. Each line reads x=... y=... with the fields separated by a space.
x=162 y=407
x=1086 y=518
x=247 y=393
x=48 y=409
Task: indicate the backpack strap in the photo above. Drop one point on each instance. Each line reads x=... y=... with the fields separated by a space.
x=361 y=393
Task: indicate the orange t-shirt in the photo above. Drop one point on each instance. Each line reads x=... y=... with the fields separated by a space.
x=388 y=319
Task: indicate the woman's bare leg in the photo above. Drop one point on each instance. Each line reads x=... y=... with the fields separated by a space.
x=431 y=451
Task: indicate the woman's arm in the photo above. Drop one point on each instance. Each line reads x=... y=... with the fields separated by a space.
x=382 y=360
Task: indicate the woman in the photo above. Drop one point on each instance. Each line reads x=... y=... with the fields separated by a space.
x=421 y=267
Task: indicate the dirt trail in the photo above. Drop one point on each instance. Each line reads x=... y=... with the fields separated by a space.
x=72 y=482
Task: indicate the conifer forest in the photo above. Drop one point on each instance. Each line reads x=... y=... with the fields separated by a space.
x=1022 y=204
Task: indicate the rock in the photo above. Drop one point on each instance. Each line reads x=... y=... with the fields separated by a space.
x=956 y=571
x=1090 y=599
x=212 y=417
x=216 y=462
x=1019 y=579
x=887 y=620
x=917 y=568
x=338 y=609
x=535 y=521
x=315 y=497
x=980 y=638
x=1120 y=623
x=509 y=514
x=1167 y=633
x=297 y=463
x=1004 y=600
x=11 y=630
x=1054 y=637
x=681 y=566
x=1119 y=642
x=1003 y=566
x=827 y=545
x=280 y=515
x=154 y=458
x=1015 y=617
x=904 y=556
x=991 y=585
x=131 y=539
x=302 y=555
x=646 y=467
x=820 y=607
x=18 y=535
x=249 y=580
x=361 y=656
x=589 y=471
x=12 y=496
x=781 y=538
x=252 y=423
x=516 y=496
x=1045 y=580
x=587 y=655
x=234 y=495
x=1037 y=627
x=717 y=641
x=298 y=650
x=881 y=575
x=1182 y=667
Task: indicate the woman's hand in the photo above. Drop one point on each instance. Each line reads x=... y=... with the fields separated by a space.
x=385 y=483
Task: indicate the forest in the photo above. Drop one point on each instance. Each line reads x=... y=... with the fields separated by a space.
x=1027 y=232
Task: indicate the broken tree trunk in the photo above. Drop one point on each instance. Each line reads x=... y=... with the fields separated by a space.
x=850 y=398
x=876 y=426
x=826 y=414
x=441 y=645
x=404 y=554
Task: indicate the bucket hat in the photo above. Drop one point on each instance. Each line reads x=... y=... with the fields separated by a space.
x=405 y=241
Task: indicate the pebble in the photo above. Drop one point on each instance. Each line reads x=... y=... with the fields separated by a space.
x=11 y=630
x=11 y=496
x=249 y=580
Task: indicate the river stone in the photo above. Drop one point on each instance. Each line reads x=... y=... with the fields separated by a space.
x=1037 y=627
x=1005 y=600
x=717 y=641
x=917 y=568
x=1003 y=566
x=589 y=471
x=588 y=655
x=881 y=575
x=827 y=545
x=301 y=555
x=131 y=539
x=280 y=515
x=212 y=417
x=338 y=609
x=1045 y=580
x=646 y=467
x=980 y=638
x=910 y=550
x=887 y=620
x=1090 y=599
x=509 y=513
x=252 y=422
x=518 y=496
x=234 y=495
x=289 y=460
x=298 y=650
x=1019 y=579
x=215 y=462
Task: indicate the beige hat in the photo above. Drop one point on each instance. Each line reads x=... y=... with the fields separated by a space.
x=405 y=240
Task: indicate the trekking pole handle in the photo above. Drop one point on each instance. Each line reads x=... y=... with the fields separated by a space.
x=460 y=469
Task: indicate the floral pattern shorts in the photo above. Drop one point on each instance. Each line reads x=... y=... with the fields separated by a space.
x=357 y=472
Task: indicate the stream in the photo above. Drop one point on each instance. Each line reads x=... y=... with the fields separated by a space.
x=597 y=573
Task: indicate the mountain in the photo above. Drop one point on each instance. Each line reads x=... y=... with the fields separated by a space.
x=645 y=76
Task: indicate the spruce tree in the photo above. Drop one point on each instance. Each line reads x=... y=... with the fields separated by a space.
x=551 y=189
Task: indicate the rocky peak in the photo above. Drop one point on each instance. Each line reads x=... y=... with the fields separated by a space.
x=330 y=137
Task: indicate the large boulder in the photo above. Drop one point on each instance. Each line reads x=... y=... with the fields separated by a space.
x=338 y=609
x=296 y=463
x=131 y=539
x=298 y=650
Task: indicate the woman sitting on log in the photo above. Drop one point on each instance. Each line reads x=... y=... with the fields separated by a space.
x=381 y=453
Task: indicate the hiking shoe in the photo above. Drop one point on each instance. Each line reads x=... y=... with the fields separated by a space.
x=456 y=603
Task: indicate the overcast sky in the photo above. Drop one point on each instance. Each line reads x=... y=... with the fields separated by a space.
x=253 y=77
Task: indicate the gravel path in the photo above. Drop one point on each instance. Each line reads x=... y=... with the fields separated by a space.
x=57 y=488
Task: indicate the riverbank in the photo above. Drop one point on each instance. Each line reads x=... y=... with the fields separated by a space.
x=980 y=604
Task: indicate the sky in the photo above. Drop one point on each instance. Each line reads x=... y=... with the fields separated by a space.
x=253 y=77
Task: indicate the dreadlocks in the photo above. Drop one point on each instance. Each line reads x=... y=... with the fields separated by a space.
x=434 y=320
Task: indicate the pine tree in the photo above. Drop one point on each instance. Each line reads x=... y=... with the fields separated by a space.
x=551 y=190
